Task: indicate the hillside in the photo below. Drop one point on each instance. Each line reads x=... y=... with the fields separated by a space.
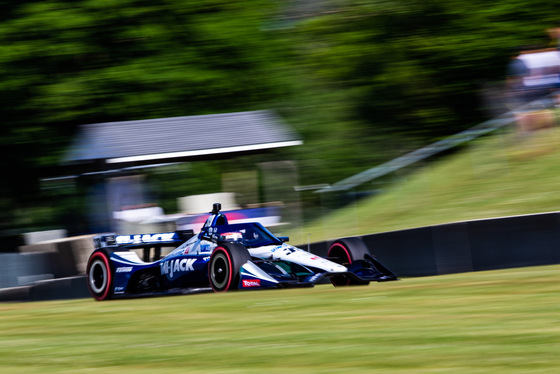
x=500 y=175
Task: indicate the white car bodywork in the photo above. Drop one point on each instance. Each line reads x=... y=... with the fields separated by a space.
x=283 y=252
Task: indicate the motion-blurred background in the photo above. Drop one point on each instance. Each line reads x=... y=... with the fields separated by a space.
x=355 y=83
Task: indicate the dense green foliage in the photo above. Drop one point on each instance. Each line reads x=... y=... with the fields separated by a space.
x=67 y=63
x=403 y=73
x=361 y=81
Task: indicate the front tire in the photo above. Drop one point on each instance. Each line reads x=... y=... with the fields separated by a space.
x=99 y=275
x=345 y=252
x=225 y=266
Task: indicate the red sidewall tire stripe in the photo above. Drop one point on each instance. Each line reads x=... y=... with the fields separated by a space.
x=343 y=248
x=230 y=271
x=109 y=276
x=346 y=252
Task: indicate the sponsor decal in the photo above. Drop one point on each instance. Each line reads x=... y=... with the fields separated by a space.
x=145 y=238
x=290 y=250
x=205 y=247
x=247 y=283
x=187 y=249
x=201 y=248
x=124 y=269
x=172 y=267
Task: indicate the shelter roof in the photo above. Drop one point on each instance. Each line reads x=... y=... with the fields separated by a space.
x=181 y=138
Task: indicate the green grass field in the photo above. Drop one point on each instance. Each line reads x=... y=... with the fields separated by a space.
x=504 y=321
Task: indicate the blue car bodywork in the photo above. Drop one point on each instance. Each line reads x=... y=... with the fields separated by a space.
x=222 y=257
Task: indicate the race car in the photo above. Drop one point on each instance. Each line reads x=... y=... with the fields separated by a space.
x=222 y=257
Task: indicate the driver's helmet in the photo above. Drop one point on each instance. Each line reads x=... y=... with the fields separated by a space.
x=233 y=236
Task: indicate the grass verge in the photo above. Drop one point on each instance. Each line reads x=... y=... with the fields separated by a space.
x=485 y=322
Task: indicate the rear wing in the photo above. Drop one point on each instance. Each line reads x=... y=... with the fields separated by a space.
x=166 y=239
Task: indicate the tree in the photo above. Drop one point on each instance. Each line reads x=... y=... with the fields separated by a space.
x=415 y=69
x=67 y=63
x=362 y=81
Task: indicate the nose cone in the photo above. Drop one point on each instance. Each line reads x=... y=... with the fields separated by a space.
x=336 y=268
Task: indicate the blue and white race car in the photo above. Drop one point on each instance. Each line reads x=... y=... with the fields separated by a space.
x=223 y=257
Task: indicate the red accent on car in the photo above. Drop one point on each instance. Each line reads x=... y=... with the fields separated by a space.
x=251 y=283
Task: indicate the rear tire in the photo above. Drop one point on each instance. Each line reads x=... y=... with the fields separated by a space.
x=99 y=275
x=346 y=251
x=225 y=266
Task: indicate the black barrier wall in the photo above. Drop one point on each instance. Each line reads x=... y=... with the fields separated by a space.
x=443 y=249
x=467 y=246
